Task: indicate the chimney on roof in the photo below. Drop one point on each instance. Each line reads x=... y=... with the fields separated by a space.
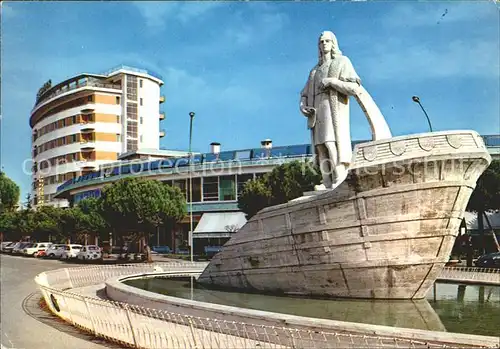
x=266 y=143
x=215 y=148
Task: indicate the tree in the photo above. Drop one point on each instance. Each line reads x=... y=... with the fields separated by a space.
x=291 y=180
x=255 y=196
x=486 y=197
x=7 y=227
x=24 y=223
x=135 y=205
x=91 y=221
x=284 y=183
x=28 y=204
x=9 y=193
x=47 y=225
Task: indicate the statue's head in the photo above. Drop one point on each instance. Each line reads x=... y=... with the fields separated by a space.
x=327 y=43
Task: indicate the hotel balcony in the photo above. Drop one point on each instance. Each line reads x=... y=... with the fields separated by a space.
x=162 y=133
x=87 y=159
x=162 y=116
x=162 y=99
x=87 y=165
x=87 y=144
x=87 y=110
x=87 y=118
x=73 y=84
x=87 y=129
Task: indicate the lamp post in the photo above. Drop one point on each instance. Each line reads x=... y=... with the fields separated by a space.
x=191 y=117
x=417 y=100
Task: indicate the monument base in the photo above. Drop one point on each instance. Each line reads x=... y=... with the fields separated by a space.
x=386 y=232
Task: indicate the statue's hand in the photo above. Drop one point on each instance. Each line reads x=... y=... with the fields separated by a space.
x=304 y=109
x=328 y=83
x=307 y=111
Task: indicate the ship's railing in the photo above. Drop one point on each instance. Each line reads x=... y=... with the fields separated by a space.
x=471 y=275
x=142 y=327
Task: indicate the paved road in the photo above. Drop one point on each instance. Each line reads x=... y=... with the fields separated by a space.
x=23 y=324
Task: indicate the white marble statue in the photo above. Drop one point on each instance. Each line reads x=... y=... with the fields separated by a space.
x=325 y=102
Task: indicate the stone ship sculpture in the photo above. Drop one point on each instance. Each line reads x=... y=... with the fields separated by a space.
x=384 y=220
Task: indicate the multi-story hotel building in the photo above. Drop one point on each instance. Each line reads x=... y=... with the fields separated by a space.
x=89 y=120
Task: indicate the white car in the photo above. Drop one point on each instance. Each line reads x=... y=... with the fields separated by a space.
x=19 y=247
x=55 y=251
x=89 y=252
x=70 y=251
x=34 y=248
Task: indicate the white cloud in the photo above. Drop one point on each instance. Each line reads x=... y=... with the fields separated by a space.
x=194 y=10
x=263 y=26
x=158 y=14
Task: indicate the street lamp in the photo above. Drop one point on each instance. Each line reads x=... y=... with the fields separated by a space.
x=417 y=100
x=191 y=117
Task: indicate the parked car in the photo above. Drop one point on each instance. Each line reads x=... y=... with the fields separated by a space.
x=89 y=252
x=55 y=251
x=9 y=248
x=20 y=247
x=490 y=260
x=6 y=244
x=32 y=249
x=70 y=251
x=161 y=249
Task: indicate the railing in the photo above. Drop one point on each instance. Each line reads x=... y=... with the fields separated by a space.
x=142 y=327
x=471 y=275
x=67 y=88
x=137 y=70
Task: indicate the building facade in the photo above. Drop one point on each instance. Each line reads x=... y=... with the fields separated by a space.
x=217 y=179
x=89 y=120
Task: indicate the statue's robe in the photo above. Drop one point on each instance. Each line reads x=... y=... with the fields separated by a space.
x=331 y=121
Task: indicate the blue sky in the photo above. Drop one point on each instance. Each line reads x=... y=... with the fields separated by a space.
x=241 y=65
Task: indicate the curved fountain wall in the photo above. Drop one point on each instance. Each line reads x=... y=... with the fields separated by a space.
x=143 y=319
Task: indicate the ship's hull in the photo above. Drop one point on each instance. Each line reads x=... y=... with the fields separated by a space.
x=385 y=233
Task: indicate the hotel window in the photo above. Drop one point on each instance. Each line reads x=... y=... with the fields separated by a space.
x=227 y=188
x=118 y=137
x=140 y=84
x=117 y=100
x=140 y=138
x=196 y=189
x=242 y=179
x=182 y=185
x=73 y=138
x=210 y=188
x=118 y=119
x=168 y=183
x=90 y=98
x=140 y=101
x=132 y=88
x=131 y=145
x=141 y=120
x=132 y=129
x=74 y=119
x=132 y=111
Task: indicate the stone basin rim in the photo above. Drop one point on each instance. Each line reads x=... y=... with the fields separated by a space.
x=115 y=284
